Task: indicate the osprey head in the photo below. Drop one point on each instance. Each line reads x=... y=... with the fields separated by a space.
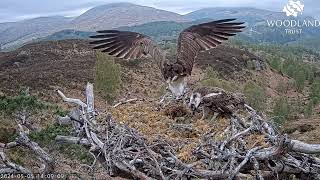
x=177 y=85
x=195 y=101
x=175 y=77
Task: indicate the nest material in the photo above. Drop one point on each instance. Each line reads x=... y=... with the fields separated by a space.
x=246 y=147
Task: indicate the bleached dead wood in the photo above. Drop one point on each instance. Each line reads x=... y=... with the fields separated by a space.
x=125 y=102
x=64 y=120
x=72 y=140
x=124 y=151
x=71 y=100
x=302 y=147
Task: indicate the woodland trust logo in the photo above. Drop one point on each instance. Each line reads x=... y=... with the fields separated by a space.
x=293 y=8
x=292 y=25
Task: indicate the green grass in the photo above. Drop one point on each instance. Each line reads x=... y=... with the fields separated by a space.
x=47 y=136
x=76 y=151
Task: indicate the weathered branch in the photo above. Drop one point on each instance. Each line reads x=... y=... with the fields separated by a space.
x=72 y=140
x=302 y=147
x=125 y=102
x=71 y=100
x=64 y=120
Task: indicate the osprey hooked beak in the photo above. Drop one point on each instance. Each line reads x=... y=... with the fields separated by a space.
x=195 y=101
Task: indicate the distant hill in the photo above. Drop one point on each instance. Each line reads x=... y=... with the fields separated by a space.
x=68 y=34
x=121 y=14
x=4 y=26
x=246 y=14
x=159 y=24
x=27 y=30
x=102 y=17
x=162 y=30
x=170 y=30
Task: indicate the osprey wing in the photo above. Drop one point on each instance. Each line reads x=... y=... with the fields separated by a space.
x=127 y=45
x=203 y=37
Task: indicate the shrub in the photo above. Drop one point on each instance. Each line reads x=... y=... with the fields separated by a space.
x=23 y=101
x=282 y=87
x=255 y=95
x=275 y=63
x=300 y=78
x=211 y=79
x=108 y=76
x=281 y=110
x=314 y=98
x=308 y=111
x=315 y=92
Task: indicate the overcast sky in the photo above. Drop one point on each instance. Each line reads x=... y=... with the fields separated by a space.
x=14 y=10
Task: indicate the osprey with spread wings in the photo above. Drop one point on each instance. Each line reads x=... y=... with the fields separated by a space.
x=192 y=41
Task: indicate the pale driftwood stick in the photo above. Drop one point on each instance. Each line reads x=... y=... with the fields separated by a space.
x=302 y=147
x=246 y=159
x=90 y=102
x=64 y=120
x=8 y=145
x=240 y=134
x=90 y=98
x=125 y=167
x=70 y=100
x=125 y=102
x=72 y=140
x=96 y=140
x=182 y=127
x=257 y=169
x=155 y=161
x=75 y=115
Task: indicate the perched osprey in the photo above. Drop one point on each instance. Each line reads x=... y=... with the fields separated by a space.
x=212 y=99
x=197 y=38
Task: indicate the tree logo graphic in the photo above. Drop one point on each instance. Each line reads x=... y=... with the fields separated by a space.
x=293 y=8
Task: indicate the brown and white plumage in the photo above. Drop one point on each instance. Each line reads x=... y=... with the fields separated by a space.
x=216 y=100
x=192 y=41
